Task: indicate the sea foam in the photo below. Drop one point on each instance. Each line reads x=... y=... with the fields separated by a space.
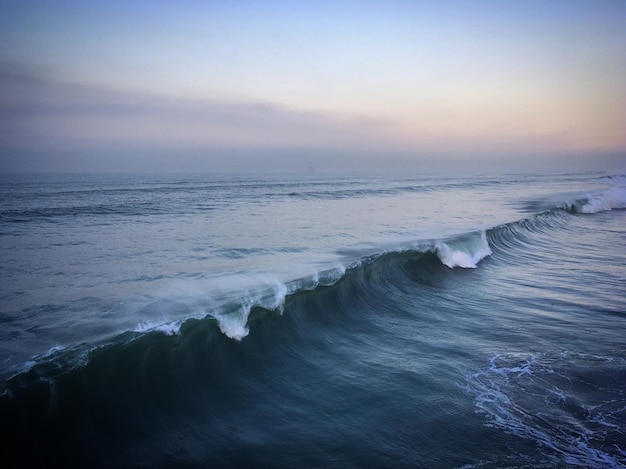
x=465 y=251
x=610 y=199
x=543 y=397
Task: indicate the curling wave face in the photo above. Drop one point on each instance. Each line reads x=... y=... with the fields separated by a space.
x=231 y=307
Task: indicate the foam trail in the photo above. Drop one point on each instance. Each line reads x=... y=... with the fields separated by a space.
x=466 y=251
x=580 y=432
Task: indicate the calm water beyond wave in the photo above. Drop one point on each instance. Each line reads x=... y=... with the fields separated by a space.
x=313 y=321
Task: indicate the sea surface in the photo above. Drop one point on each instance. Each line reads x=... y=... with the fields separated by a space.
x=313 y=320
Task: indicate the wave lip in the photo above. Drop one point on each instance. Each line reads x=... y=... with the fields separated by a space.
x=234 y=323
x=464 y=251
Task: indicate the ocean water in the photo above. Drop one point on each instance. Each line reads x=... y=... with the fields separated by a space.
x=313 y=320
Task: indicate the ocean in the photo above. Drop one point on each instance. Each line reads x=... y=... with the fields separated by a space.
x=313 y=320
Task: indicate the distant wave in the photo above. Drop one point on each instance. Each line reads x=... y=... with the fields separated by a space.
x=602 y=201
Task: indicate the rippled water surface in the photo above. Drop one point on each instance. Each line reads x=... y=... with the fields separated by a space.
x=309 y=320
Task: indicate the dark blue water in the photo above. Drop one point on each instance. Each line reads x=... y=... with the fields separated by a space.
x=313 y=321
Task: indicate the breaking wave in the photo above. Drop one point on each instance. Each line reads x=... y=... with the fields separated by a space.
x=611 y=199
x=463 y=251
x=137 y=380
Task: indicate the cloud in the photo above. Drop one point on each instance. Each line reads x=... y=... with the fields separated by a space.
x=51 y=125
x=37 y=111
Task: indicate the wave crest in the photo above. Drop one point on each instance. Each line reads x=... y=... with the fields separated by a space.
x=465 y=251
x=611 y=199
x=231 y=313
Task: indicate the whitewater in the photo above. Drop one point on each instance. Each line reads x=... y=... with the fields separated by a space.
x=314 y=320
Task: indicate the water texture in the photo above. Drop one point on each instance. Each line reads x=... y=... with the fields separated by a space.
x=313 y=320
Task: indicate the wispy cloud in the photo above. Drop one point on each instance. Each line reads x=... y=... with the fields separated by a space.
x=59 y=125
x=38 y=111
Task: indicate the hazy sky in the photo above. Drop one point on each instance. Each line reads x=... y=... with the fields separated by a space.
x=199 y=85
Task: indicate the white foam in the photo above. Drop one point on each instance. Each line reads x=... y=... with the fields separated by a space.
x=610 y=199
x=277 y=302
x=539 y=397
x=233 y=325
x=43 y=357
x=171 y=328
x=466 y=251
x=53 y=351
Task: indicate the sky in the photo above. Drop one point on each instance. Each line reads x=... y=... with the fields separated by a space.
x=140 y=85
